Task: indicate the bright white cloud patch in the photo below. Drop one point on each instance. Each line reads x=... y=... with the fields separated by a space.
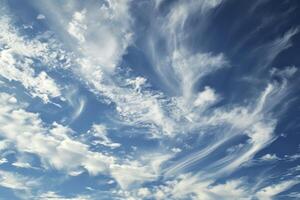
x=270 y=191
x=17 y=64
x=205 y=97
x=40 y=17
x=76 y=27
x=53 y=146
x=100 y=132
x=16 y=181
x=269 y=157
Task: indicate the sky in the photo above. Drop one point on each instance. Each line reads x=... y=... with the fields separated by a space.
x=149 y=100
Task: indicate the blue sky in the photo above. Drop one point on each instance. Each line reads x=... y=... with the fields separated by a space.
x=149 y=99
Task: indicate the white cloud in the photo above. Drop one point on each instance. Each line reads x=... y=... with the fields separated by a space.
x=232 y=189
x=144 y=193
x=187 y=186
x=75 y=172
x=174 y=63
x=103 y=32
x=40 y=17
x=286 y=72
x=16 y=181
x=53 y=145
x=292 y=157
x=261 y=135
x=76 y=101
x=269 y=157
x=135 y=107
x=176 y=150
x=16 y=63
x=274 y=48
x=57 y=149
x=4 y=144
x=54 y=196
x=185 y=162
x=269 y=192
x=128 y=175
x=3 y=160
x=295 y=195
x=190 y=68
x=206 y=97
x=251 y=120
x=137 y=83
x=100 y=132
x=22 y=165
x=144 y=168
x=103 y=41
x=209 y=4
x=76 y=27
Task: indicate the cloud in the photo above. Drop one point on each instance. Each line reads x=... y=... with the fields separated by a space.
x=188 y=186
x=103 y=33
x=144 y=168
x=190 y=68
x=3 y=160
x=144 y=192
x=192 y=187
x=252 y=121
x=215 y=140
x=135 y=104
x=22 y=165
x=269 y=157
x=17 y=63
x=100 y=132
x=16 y=181
x=175 y=64
x=103 y=41
x=137 y=83
x=40 y=17
x=294 y=195
x=76 y=101
x=269 y=192
x=292 y=157
x=274 y=48
x=54 y=196
x=134 y=107
x=206 y=97
x=54 y=146
x=76 y=27
x=260 y=136
x=127 y=175
x=286 y=72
